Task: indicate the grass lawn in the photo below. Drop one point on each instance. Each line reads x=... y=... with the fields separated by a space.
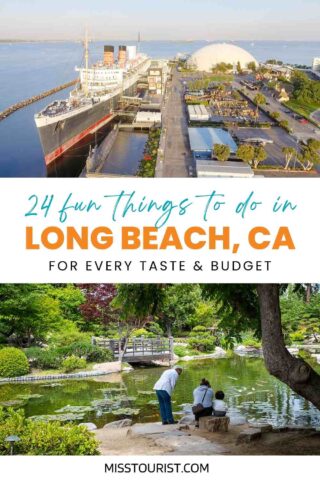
x=302 y=108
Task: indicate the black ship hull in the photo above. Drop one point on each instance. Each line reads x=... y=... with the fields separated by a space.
x=58 y=137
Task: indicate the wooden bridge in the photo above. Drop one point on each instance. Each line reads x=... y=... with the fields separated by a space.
x=139 y=350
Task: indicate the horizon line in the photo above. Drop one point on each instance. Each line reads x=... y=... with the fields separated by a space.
x=99 y=39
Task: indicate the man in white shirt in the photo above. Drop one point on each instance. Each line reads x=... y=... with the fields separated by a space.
x=164 y=388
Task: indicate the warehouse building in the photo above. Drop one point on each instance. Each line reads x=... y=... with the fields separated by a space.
x=230 y=169
x=202 y=141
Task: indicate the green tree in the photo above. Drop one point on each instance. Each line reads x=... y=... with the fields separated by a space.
x=259 y=307
x=179 y=306
x=239 y=69
x=310 y=154
x=222 y=67
x=136 y=305
x=28 y=312
x=246 y=153
x=260 y=155
x=221 y=152
x=275 y=115
x=252 y=66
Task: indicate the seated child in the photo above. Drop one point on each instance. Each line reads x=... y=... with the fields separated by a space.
x=219 y=407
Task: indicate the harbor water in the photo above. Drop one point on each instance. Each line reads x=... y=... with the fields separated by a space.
x=27 y=69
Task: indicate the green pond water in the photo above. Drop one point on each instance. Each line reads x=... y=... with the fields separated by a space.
x=250 y=393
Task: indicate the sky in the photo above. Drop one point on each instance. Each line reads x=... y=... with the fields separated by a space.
x=161 y=19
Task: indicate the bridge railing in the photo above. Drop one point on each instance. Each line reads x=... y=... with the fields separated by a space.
x=139 y=347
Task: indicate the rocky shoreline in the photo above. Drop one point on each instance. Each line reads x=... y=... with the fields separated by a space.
x=124 y=438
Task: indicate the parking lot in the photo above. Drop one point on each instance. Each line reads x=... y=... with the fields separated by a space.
x=276 y=135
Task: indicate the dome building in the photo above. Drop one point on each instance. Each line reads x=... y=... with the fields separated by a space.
x=208 y=57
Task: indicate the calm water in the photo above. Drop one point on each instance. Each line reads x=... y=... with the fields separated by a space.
x=126 y=154
x=30 y=68
x=250 y=392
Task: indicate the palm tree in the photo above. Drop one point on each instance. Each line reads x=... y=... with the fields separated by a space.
x=259 y=100
x=289 y=153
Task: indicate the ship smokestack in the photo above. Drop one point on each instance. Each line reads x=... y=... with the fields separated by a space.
x=122 y=56
x=108 y=58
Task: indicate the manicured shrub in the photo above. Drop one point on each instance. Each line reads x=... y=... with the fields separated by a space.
x=44 y=358
x=201 y=339
x=13 y=362
x=155 y=328
x=41 y=438
x=72 y=363
x=85 y=349
x=142 y=332
x=180 y=351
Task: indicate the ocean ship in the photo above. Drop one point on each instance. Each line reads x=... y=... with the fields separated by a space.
x=94 y=101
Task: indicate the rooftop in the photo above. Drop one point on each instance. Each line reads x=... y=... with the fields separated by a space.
x=214 y=168
x=204 y=139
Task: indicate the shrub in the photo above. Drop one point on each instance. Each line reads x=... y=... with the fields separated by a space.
x=202 y=344
x=40 y=438
x=155 y=328
x=85 y=349
x=13 y=362
x=72 y=363
x=297 y=337
x=180 y=351
x=142 y=332
x=251 y=342
x=68 y=335
x=44 y=358
x=201 y=339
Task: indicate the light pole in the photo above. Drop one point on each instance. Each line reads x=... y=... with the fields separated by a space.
x=12 y=439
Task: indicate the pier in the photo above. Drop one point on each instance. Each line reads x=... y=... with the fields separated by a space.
x=140 y=350
x=25 y=103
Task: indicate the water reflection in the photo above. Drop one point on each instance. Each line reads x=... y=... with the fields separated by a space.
x=250 y=392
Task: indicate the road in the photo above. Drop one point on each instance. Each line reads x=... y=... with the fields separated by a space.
x=178 y=159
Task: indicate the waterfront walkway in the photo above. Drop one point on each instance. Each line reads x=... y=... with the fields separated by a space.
x=177 y=155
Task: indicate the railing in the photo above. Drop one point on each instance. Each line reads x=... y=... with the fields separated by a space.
x=139 y=349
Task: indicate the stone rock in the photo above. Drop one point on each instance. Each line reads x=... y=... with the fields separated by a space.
x=236 y=420
x=126 y=422
x=249 y=351
x=220 y=352
x=293 y=350
x=280 y=429
x=187 y=420
x=108 y=367
x=214 y=424
x=264 y=427
x=183 y=427
x=152 y=429
x=90 y=426
x=316 y=356
x=249 y=435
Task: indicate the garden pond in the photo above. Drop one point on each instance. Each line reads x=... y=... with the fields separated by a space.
x=250 y=392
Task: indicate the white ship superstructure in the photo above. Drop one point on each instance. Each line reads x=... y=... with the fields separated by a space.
x=90 y=105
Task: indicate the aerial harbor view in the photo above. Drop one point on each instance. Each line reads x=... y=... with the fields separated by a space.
x=166 y=108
